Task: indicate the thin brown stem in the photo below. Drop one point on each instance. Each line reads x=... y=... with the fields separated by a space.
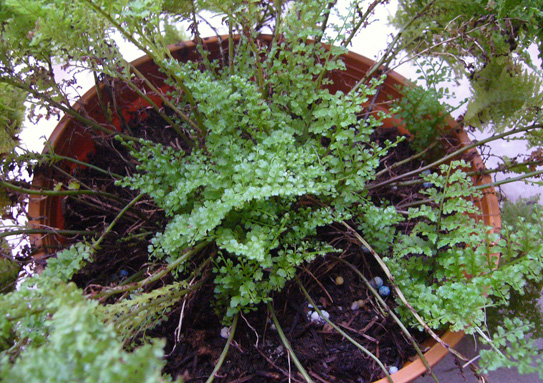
x=454 y=155
x=67 y=110
x=27 y=231
x=387 y=56
x=154 y=277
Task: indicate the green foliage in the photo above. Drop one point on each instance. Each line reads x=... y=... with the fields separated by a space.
x=435 y=263
x=269 y=156
x=523 y=210
x=377 y=225
x=504 y=94
x=11 y=117
x=523 y=216
x=9 y=269
x=172 y=34
x=518 y=350
x=495 y=28
x=243 y=285
x=69 y=261
x=489 y=41
x=142 y=311
x=263 y=157
x=423 y=108
x=62 y=338
x=423 y=114
x=446 y=267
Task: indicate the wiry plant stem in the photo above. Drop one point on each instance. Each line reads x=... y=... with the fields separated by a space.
x=454 y=155
x=287 y=345
x=225 y=350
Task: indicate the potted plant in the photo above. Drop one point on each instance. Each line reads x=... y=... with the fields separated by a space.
x=218 y=179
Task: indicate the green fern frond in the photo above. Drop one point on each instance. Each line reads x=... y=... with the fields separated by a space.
x=142 y=312
x=503 y=94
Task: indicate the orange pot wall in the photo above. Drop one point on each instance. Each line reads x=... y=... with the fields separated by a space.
x=69 y=139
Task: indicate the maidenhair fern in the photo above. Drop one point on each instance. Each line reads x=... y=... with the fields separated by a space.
x=446 y=268
x=269 y=155
x=251 y=188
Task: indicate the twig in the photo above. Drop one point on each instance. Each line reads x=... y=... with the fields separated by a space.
x=285 y=372
x=319 y=283
x=54 y=192
x=362 y=20
x=116 y=219
x=225 y=350
x=154 y=277
x=45 y=231
x=288 y=347
x=454 y=155
x=385 y=59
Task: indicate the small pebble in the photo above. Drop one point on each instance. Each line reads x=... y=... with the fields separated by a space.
x=384 y=291
x=355 y=305
x=339 y=281
x=376 y=282
x=225 y=332
x=316 y=318
x=394 y=188
x=392 y=370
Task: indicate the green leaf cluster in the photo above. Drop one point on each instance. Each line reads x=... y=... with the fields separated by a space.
x=504 y=94
x=438 y=263
x=253 y=186
x=448 y=269
x=488 y=41
x=516 y=349
x=423 y=114
x=69 y=261
x=51 y=333
x=142 y=311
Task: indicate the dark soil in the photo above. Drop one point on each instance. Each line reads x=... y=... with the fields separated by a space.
x=257 y=353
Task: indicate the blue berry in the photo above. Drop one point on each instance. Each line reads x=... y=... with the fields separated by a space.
x=376 y=282
x=384 y=291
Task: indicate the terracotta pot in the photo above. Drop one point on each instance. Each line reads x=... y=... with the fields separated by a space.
x=70 y=139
